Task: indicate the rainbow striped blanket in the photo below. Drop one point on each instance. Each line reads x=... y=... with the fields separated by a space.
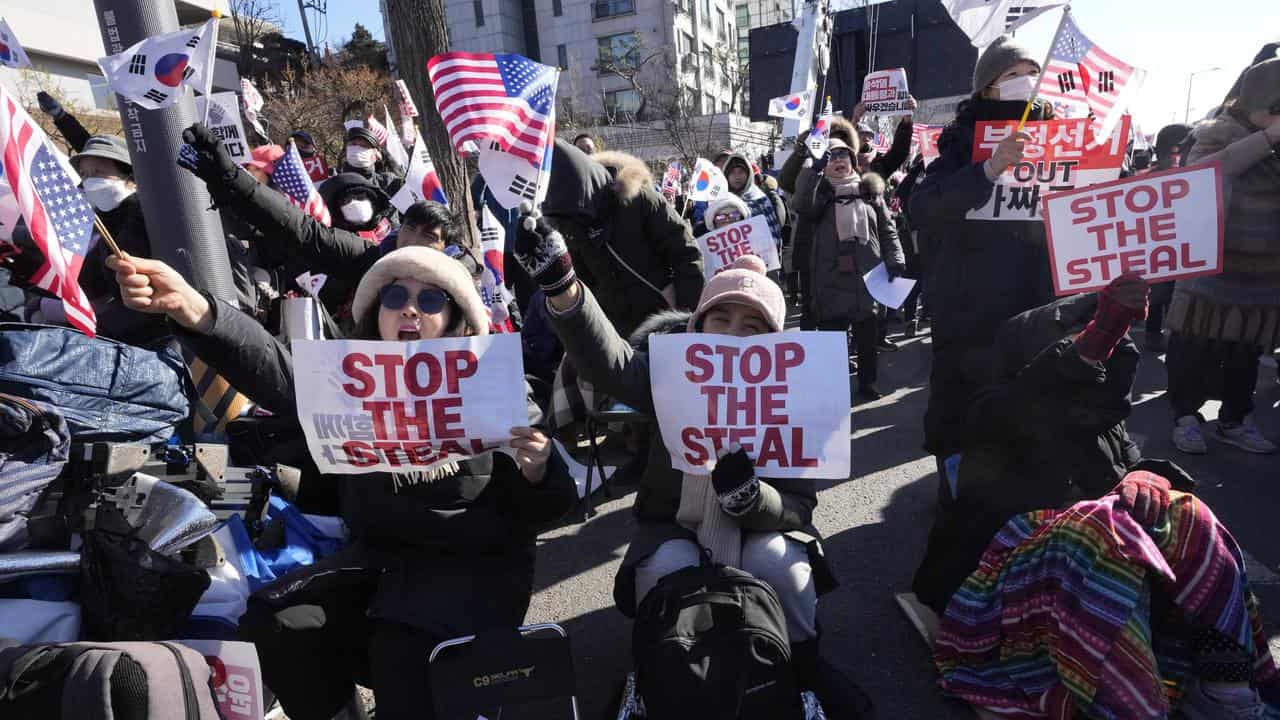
x=1056 y=621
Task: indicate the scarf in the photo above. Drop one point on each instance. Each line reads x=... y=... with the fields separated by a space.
x=700 y=512
x=851 y=221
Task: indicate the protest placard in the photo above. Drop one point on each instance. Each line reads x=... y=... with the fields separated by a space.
x=771 y=394
x=924 y=140
x=223 y=120
x=1057 y=158
x=749 y=237
x=369 y=406
x=236 y=677
x=884 y=92
x=1162 y=226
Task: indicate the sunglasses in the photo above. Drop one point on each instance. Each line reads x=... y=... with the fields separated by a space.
x=395 y=297
x=724 y=217
x=841 y=153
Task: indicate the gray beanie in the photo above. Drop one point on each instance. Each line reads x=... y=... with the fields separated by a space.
x=1001 y=55
x=1260 y=86
x=104 y=146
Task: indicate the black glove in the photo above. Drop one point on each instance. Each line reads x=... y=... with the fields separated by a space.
x=735 y=482
x=204 y=155
x=49 y=106
x=820 y=164
x=542 y=253
x=894 y=270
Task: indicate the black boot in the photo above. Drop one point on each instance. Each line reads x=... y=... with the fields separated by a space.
x=841 y=697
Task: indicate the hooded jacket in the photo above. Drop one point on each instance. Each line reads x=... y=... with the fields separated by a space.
x=628 y=244
x=346 y=186
x=802 y=229
x=755 y=198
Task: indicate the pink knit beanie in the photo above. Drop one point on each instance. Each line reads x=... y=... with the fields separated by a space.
x=744 y=283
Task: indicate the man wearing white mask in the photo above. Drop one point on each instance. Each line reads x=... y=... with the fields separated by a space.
x=363 y=156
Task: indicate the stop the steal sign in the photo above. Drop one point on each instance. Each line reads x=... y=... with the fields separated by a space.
x=1162 y=226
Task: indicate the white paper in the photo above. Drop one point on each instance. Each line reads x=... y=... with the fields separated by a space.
x=372 y=406
x=222 y=117
x=885 y=93
x=890 y=293
x=749 y=237
x=783 y=397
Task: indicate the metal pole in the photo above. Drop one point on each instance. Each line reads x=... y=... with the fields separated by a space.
x=1186 y=113
x=306 y=29
x=183 y=230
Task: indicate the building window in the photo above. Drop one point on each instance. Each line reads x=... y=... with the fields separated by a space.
x=556 y=8
x=622 y=101
x=709 y=105
x=706 y=13
x=744 y=15
x=562 y=57
x=479 y=8
x=618 y=51
x=601 y=9
x=708 y=62
x=722 y=24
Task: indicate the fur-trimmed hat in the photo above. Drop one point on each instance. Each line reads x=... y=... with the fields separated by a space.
x=999 y=56
x=744 y=283
x=428 y=266
x=729 y=201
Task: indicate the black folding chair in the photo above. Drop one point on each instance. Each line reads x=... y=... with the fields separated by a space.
x=510 y=674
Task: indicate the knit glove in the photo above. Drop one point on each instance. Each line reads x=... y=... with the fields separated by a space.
x=49 y=106
x=203 y=154
x=542 y=253
x=1120 y=304
x=819 y=165
x=1145 y=496
x=735 y=482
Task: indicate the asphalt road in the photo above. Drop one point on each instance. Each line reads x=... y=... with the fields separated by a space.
x=875 y=526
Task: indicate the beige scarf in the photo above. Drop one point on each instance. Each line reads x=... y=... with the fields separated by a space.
x=851 y=220
x=700 y=512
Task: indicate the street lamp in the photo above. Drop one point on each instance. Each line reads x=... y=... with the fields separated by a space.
x=1186 y=114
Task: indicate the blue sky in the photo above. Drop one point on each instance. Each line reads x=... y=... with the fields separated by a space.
x=1169 y=38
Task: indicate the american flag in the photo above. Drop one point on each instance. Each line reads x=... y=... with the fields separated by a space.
x=291 y=176
x=58 y=218
x=505 y=98
x=378 y=129
x=1081 y=72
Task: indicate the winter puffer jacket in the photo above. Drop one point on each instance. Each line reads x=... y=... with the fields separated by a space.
x=755 y=198
x=456 y=554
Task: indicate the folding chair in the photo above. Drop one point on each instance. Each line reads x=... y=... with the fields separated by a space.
x=509 y=674
x=596 y=419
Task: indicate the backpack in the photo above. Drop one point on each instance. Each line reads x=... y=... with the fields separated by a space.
x=33 y=450
x=710 y=642
x=106 y=390
x=102 y=681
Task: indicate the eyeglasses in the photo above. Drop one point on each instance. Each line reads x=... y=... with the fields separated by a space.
x=395 y=297
x=728 y=217
x=841 y=153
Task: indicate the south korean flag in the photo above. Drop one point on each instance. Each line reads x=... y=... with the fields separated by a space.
x=153 y=73
x=514 y=180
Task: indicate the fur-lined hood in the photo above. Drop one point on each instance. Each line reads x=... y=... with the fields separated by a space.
x=630 y=174
x=667 y=322
x=871 y=185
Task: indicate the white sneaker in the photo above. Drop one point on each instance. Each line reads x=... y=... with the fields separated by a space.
x=1196 y=705
x=1244 y=435
x=1187 y=436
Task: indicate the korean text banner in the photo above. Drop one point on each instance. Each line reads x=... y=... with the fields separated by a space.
x=1057 y=159
x=1162 y=226
x=884 y=92
x=223 y=120
x=370 y=406
x=749 y=237
x=771 y=394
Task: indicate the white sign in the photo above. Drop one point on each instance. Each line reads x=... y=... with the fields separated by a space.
x=1162 y=226
x=890 y=292
x=884 y=92
x=370 y=406
x=749 y=237
x=771 y=394
x=236 y=677
x=222 y=116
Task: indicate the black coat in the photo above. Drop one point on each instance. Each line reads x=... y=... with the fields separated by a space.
x=455 y=554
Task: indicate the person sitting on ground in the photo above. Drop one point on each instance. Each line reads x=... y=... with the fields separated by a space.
x=760 y=525
x=1071 y=579
x=433 y=555
x=721 y=212
x=850 y=237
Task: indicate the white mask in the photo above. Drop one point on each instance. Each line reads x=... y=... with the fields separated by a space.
x=106 y=194
x=358 y=212
x=361 y=157
x=1021 y=88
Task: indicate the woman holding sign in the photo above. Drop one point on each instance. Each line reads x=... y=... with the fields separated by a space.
x=760 y=525
x=435 y=553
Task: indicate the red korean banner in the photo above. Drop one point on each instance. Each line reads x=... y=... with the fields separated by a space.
x=1057 y=159
x=924 y=140
x=1162 y=226
x=749 y=237
x=771 y=394
x=371 y=406
x=884 y=92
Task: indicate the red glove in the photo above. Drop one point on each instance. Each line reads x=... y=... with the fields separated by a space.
x=1120 y=305
x=1145 y=496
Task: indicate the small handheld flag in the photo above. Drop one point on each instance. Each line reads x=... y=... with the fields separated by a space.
x=796 y=106
x=153 y=73
x=11 y=52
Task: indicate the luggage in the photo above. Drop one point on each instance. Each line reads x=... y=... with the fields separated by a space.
x=105 y=390
x=515 y=674
x=107 y=681
x=711 y=642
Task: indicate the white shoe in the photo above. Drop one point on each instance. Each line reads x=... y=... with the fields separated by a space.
x=1187 y=436
x=1244 y=435
x=1196 y=705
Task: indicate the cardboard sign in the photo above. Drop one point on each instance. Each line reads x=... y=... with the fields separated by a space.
x=1162 y=225
x=1057 y=159
x=237 y=677
x=749 y=237
x=884 y=92
x=370 y=406
x=783 y=397
x=223 y=119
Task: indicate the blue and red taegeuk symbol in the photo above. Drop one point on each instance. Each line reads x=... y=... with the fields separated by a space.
x=170 y=68
x=703 y=181
x=5 y=54
x=793 y=102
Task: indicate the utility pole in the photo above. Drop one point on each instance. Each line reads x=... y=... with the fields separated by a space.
x=1186 y=113
x=303 y=5
x=813 y=43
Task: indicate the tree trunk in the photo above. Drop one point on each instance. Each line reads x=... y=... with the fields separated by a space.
x=418 y=32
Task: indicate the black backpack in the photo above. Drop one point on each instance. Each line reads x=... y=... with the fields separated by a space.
x=711 y=642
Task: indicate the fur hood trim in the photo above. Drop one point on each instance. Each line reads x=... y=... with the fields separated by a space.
x=630 y=174
x=666 y=322
x=871 y=184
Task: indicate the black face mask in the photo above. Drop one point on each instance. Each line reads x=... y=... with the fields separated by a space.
x=307 y=153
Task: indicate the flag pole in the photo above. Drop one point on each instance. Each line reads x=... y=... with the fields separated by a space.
x=106 y=237
x=1026 y=112
x=216 y=19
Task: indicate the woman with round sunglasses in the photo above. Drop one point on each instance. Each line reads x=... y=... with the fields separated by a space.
x=433 y=555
